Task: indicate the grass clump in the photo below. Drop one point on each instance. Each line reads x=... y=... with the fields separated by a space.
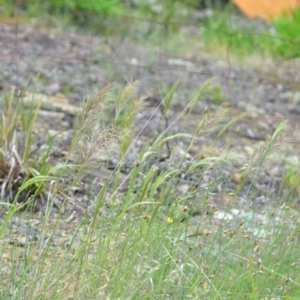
x=162 y=236
x=20 y=160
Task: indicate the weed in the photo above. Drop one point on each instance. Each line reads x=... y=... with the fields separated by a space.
x=215 y=95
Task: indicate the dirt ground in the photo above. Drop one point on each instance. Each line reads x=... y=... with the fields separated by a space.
x=70 y=65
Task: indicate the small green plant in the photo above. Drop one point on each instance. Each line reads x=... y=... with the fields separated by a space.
x=287 y=35
x=215 y=95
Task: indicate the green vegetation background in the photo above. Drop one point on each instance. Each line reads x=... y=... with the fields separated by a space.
x=282 y=39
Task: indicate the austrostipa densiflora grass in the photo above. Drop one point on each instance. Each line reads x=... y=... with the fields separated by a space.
x=148 y=241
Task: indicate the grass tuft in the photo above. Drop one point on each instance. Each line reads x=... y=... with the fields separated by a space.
x=19 y=157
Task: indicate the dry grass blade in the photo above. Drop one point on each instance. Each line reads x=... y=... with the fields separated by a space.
x=219 y=152
x=95 y=146
x=90 y=111
x=10 y=169
x=126 y=95
x=277 y=141
x=211 y=122
x=134 y=109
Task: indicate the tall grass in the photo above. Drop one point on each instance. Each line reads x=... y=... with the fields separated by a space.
x=152 y=241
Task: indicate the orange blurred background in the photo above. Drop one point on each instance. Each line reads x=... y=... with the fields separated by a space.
x=268 y=9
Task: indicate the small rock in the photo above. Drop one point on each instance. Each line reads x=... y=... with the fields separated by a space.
x=180 y=63
x=250 y=150
x=236 y=177
x=222 y=215
x=53 y=89
x=184 y=188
